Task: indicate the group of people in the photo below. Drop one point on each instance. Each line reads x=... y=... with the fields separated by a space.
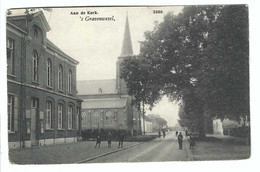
x=180 y=137
x=164 y=134
x=109 y=140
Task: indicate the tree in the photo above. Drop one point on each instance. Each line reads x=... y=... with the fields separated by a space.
x=201 y=58
x=161 y=121
x=140 y=84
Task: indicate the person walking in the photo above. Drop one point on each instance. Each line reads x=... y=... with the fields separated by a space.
x=121 y=139
x=109 y=139
x=186 y=133
x=192 y=142
x=164 y=134
x=159 y=134
x=176 y=134
x=98 y=141
x=180 y=137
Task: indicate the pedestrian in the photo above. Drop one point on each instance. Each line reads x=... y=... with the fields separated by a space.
x=176 y=134
x=186 y=133
x=180 y=137
x=192 y=142
x=109 y=139
x=98 y=141
x=121 y=139
x=159 y=134
x=164 y=134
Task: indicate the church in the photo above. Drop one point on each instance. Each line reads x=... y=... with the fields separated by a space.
x=106 y=106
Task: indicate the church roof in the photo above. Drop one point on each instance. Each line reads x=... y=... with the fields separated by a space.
x=90 y=87
x=127 y=49
x=104 y=103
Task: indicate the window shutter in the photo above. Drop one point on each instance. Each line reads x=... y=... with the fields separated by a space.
x=16 y=106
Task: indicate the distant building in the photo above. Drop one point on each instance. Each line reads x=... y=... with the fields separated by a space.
x=217 y=127
x=106 y=105
x=229 y=127
x=42 y=105
x=149 y=125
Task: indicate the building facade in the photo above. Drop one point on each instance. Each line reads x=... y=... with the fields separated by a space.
x=106 y=105
x=42 y=105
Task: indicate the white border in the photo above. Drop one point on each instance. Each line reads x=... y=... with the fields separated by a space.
x=244 y=165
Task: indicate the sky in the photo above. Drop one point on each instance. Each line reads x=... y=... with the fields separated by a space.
x=97 y=44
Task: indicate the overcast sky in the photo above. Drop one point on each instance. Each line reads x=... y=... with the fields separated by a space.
x=97 y=44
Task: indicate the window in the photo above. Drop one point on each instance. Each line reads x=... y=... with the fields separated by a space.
x=60 y=116
x=109 y=118
x=28 y=127
x=84 y=118
x=60 y=78
x=10 y=56
x=95 y=119
x=49 y=72
x=77 y=118
x=69 y=81
x=34 y=103
x=70 y=110
x=35 y=66
x=48 y=115
x=42 y=127
x=10 y=113
x=37 y=34
x=35 y=31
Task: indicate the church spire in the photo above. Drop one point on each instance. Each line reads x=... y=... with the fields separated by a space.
x=127 y=49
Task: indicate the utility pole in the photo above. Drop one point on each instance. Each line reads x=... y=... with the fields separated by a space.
x=143 y=118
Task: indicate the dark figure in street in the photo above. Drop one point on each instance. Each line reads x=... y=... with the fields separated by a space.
x=164 y=134
x=176 y=134
x=109 y=139
x=159 y=134
x=192 y=142
x=98 y=141
x=121 y=140
x=180 y=137
x=186 y=133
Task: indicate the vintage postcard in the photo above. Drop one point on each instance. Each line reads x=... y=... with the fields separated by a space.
x=127 y=84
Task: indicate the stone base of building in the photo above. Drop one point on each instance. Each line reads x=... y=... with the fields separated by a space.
x=43 y=142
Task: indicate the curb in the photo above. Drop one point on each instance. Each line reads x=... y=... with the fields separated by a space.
x=114 y=151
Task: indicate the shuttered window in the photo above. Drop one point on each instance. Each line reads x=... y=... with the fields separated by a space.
x=60 y=116
x=70 y=111
x=12 y=113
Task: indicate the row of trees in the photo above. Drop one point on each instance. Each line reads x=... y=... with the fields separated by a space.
x=200 y=58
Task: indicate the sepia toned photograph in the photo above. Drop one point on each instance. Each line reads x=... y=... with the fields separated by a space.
x=127 y=84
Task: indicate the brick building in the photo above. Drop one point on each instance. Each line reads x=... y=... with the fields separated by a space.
x=42 y=105
x=106 y=105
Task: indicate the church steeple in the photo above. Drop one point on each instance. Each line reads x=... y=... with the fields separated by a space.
x=126 y=52
x=127 y=49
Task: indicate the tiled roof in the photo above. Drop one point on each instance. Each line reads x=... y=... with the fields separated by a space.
x=57 y=49
x=90 y=87
x=104 y=103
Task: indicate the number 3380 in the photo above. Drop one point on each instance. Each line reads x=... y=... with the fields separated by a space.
x=157 y=11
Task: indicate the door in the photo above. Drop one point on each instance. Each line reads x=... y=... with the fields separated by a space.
x=33 y=127
x=34 y=111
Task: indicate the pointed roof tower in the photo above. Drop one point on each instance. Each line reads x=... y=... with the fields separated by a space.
x=127 y=49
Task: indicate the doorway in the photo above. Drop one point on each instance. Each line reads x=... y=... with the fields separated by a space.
x=34 y=114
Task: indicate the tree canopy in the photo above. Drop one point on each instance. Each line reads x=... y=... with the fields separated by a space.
x=199 y=57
